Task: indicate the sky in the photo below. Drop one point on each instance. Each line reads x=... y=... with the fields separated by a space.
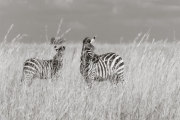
x=111 y=20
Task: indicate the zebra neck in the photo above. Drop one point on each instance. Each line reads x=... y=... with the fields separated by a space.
x=55 y=63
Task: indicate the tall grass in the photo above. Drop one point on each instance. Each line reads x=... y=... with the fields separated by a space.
x=152 y=90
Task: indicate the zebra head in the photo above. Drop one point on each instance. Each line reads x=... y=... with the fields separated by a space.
x=87 y=50
x=87 y=45
x=86 y=53
x=60 y=52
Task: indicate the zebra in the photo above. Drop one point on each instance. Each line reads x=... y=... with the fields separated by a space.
x=43 y=69
x=94 y=67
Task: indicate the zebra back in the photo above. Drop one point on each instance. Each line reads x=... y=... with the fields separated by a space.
x=108 y=65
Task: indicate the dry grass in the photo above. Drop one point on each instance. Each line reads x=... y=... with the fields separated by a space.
x=152 y=90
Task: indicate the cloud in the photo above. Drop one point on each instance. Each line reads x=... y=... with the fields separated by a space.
x=21 y=1
x=53 y=3
x=115 y=10
x=115 y=5
x=151 y=22
x=76 y=25
x=60 y=3
x=4 y=3
x=154 y=5
x=1 y=13
x=159 y=5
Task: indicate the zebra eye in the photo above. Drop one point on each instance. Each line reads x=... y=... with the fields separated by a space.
x=55 y=46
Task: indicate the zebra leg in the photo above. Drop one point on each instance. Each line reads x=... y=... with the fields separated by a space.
x=28 y=77
x=89 y=82
x=22 y=78
x=120 y=78
x=30 y=82
x=113 y=79
x=54 y=78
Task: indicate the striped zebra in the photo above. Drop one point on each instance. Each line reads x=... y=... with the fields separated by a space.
x=43 y=69
x=109 y=66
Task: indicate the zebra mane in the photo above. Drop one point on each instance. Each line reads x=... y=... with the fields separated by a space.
x=95 y=58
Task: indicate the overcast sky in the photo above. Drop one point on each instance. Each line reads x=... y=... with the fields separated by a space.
x=110 y=20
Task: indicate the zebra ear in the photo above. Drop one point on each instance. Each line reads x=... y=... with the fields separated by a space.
x=93 y=39
x=62 y=48
x=52 y=40
x=56 y=48
x=95 y=36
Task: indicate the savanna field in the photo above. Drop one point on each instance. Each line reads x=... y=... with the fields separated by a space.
x=151 y=92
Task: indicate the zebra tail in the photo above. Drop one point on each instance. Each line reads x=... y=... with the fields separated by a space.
x=22 y=77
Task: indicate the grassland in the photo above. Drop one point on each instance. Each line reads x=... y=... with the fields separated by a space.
x=152 y=90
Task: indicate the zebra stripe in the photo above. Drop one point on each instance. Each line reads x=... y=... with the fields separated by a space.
x=106 y=68
x=43 y=69
x=109 y=66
